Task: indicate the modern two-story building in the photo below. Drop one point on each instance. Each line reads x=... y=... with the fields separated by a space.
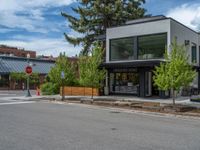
x=135 y=48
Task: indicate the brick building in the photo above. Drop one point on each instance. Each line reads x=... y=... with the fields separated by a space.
x=14 y=51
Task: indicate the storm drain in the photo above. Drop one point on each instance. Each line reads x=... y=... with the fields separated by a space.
x=114 y=112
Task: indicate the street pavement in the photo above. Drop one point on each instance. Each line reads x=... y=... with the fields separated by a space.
x=14 y=93
x=50 y=126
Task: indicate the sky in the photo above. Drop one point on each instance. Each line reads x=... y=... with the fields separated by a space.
x=38 y=25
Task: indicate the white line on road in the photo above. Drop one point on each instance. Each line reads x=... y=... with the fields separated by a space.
x=7 y=94
x=11 y=103
x=10 y=100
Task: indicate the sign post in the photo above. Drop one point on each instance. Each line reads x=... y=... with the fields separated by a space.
x=28 y=72
x=62 y=78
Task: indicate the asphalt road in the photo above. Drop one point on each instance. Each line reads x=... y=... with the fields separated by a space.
x=15 y=93
x=47 y=126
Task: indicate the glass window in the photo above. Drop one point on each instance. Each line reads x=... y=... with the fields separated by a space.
x=194 y=53
x=124 y=82
x=122 y=49
x=152 y=46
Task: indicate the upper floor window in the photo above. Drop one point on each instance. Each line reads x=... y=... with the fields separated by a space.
x=138 y=47
x=152 y=46
x=194 y=53
x=122 y=49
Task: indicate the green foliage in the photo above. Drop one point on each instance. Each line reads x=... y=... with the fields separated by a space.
x=94 y=16
x=49 y=88
x=34 y=79
x=176 y=72
x=62 y=64
x=18 y=76
x=90 y=74
x=21 y=76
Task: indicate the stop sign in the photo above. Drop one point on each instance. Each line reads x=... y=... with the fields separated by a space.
x=28 y=70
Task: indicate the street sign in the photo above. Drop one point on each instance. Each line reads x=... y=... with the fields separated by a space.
x=28 y=70
x=62 y=75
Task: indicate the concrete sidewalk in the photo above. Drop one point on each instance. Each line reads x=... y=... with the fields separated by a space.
x=127 y=98
x=179 y=100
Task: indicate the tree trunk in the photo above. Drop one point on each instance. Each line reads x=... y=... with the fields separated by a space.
x=173 y=97
x=63 y=97
x=92 y=93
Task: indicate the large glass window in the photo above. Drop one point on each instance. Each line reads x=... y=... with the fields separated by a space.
x=124 y=82
x=122 y=49
x=152 y=46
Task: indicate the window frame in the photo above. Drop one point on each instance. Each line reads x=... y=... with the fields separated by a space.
x=121 y=39
x=135 y=45
x=149 y=35
x=194 y=57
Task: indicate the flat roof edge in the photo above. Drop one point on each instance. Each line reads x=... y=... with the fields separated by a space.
x=24 y=58
x=154 y=20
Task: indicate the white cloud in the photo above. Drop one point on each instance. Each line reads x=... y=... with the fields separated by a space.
x=43 y=46
x=187 y=14
x=28 y=14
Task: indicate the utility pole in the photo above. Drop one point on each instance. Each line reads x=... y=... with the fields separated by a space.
x=28 y=72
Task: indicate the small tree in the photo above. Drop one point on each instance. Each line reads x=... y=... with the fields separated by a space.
x=176 y=72
x=62 y=64
x=90 y=74
x=22 y=77
x=18 y=76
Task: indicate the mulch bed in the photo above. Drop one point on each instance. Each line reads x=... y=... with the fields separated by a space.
x=138 y=105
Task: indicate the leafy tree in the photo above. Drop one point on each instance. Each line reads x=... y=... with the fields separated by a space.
x=90 y=74
x=176 y=72
x=34 y=79
x=21 y=76
x=17 y=76
x=62 y=64
x=94 y=16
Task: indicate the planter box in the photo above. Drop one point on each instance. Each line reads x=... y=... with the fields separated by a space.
x=79 y=91
x=195 y=100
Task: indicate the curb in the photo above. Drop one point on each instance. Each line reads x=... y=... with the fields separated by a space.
x=131 y=111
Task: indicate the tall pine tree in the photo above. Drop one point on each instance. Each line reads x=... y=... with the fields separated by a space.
x=94 y=16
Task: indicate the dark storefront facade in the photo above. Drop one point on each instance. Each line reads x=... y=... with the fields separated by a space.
x=132 y=78
x=131 y=64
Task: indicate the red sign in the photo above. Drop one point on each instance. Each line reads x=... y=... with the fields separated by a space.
x=29 y=70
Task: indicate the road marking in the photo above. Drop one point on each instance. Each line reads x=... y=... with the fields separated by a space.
x=7 y=94
x=10 y=100
x=12 y=103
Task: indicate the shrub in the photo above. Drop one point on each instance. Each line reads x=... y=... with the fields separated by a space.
x=49 y=88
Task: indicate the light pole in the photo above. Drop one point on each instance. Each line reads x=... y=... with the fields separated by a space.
x=28 y=94
x=62 y=78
